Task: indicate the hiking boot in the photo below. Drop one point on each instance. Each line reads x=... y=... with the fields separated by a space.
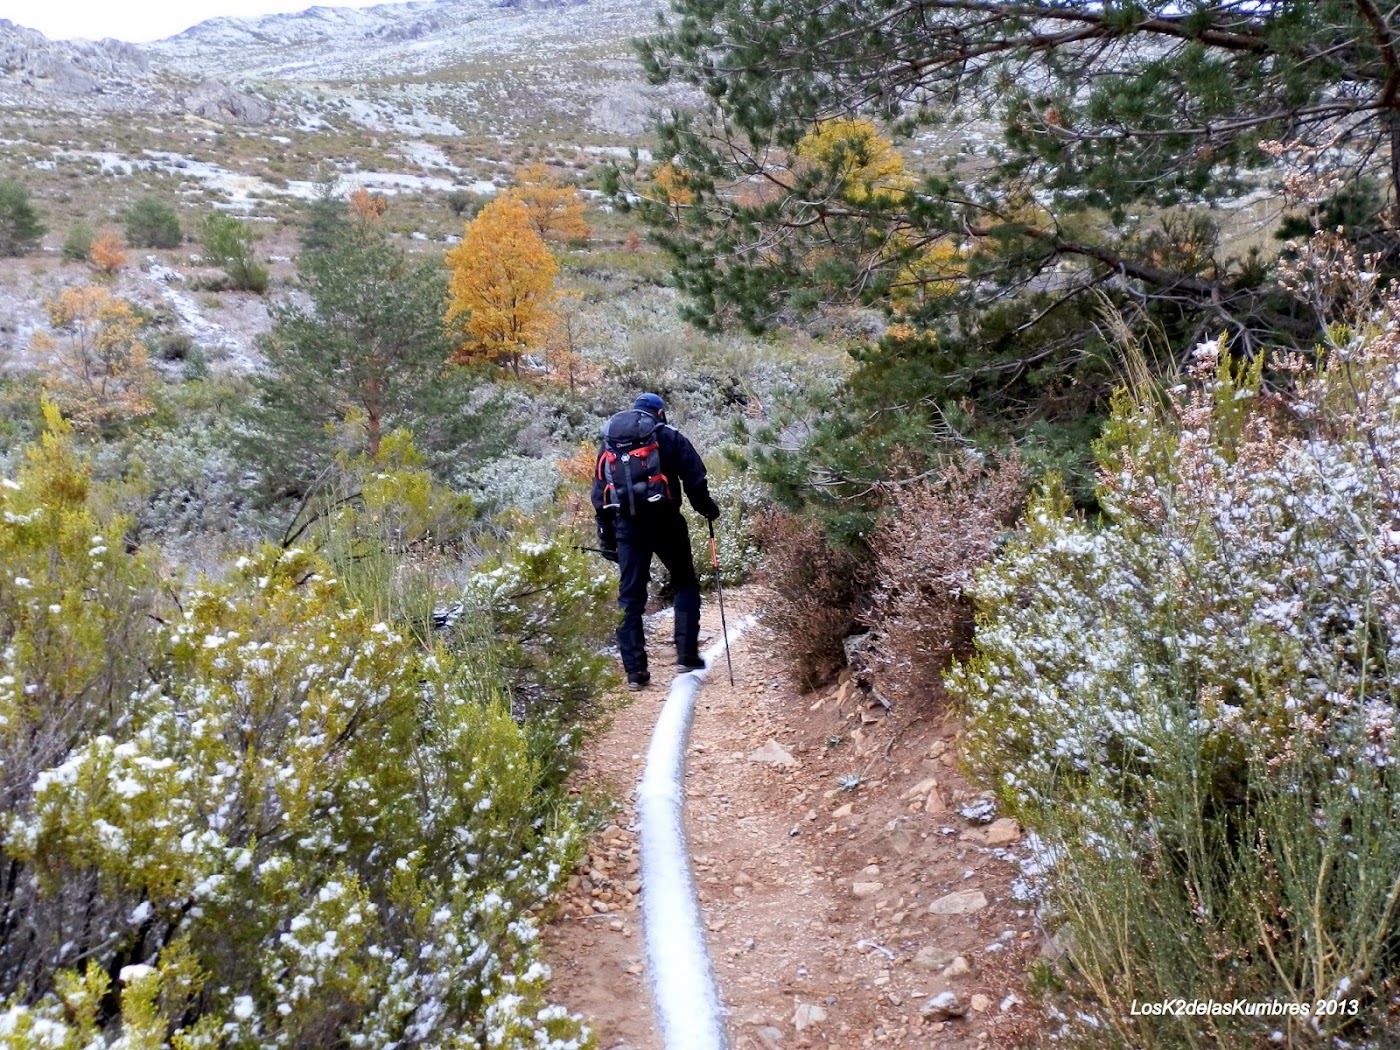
x=693 y=662
x=638 y=680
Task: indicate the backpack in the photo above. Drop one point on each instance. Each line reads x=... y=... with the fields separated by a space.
x=629 y=465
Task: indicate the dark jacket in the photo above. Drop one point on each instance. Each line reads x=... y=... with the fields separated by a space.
x=682 y=466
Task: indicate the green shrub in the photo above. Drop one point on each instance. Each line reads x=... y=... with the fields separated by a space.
x=78 y=244
x=550 y=611
x=256 y=815
x=741 y=501
x=152 y=223
x=20 y=228
x=228 y=242
x=1193 y=701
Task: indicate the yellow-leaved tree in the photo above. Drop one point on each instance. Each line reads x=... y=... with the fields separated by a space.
x=862 y=167
x=94 y=363
x=556 y=209
x=503 y=282
x=862 y=164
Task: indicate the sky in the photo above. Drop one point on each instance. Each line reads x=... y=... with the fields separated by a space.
x=142 y=20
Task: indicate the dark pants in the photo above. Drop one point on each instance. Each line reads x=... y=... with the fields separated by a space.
x=665 y=535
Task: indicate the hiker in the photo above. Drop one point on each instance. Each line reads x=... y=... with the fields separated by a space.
x=643 y=464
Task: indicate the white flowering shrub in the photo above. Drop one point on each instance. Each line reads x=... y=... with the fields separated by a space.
x=1194 y=699
x=252 y=815
x=548 y=607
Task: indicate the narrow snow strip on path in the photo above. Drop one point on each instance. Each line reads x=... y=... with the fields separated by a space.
x=683 y=988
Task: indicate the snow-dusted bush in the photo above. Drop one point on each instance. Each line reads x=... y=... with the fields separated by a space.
x=252 y=814
x=548 y=609
x=512 y=483
x=1195 y=698
x=741 y=500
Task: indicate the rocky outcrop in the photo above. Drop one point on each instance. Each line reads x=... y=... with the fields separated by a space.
x=82 y=67
x=102 y=75
x=215 y=100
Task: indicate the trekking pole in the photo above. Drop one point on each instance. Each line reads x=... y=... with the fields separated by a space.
x=714 y=560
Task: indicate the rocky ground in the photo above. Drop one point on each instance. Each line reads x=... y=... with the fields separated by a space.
x=857 y=892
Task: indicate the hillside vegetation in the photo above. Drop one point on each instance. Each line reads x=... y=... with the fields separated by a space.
x=1044 y=359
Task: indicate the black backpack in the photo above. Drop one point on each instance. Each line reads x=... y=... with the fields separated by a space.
x=629 y=465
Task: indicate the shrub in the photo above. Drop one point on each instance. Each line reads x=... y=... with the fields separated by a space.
x=264 y=819
x=817 y=585
x=20 y=228
x=935 y=533
x=228 y=242
x=152 y=223
x=383 y=524
x=550 y=612
x=741 y=502
x=1195 y=700
x=173 y=346
x=77 y=246
x=106 y=254
x=95 y=366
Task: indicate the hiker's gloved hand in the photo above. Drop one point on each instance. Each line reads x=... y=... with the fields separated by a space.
x=704 y=505
x=607 y=539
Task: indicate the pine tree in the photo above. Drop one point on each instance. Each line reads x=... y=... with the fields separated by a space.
x=1083 y=153
x=503 y=283
x=1145 y=114
x=326 y=216
x=20 y=228
x=372 y=344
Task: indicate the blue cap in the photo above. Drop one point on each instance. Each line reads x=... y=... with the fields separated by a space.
x=650 y=403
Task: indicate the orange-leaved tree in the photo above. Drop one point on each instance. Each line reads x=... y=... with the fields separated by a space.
x=503 y=281
x=95 y=366
x=106 y=254
x=556 y=209
x=563 y=357
x=368 y=205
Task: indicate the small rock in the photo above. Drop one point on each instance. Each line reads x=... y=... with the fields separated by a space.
x=1058 y=946
x=770 y=1037
x=866 y=889
x=923 y=787
x=935 y=803
x=964 y=902
x=870 y=869
x=1003 y=832
x=943 y=1005
x=980 y=1003
x=959 y=967
x=841 y=811
x=933 y=958
x=634 y=969
x=901 y=836
x=979 y=811
x=808 y=1015
x=773 y=754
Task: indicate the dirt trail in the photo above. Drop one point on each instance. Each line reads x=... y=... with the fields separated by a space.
x=816 y=900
